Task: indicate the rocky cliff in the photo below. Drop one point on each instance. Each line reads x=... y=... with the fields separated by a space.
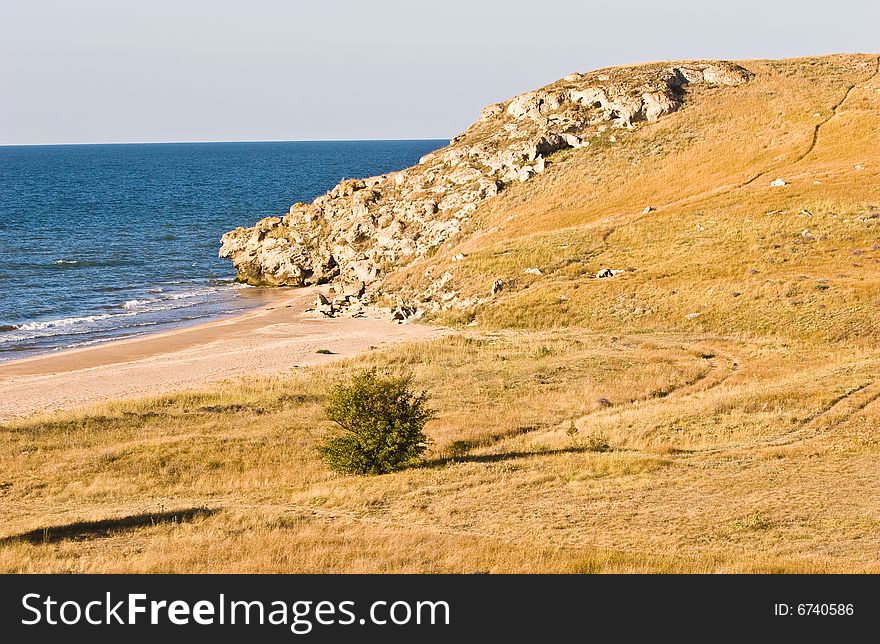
x=364 y=228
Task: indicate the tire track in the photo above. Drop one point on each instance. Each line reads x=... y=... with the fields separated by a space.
x=826 y=420
x=818 y=424
x=723 y=190
x=713 y=377
x=833 y=113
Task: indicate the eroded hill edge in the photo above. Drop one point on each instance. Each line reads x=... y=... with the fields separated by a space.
x=363 y=229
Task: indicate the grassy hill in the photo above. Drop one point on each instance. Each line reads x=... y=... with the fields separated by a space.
x=713 y=407
x=801 y=257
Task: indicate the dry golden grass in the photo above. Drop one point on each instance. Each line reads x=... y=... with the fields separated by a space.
x=724 y=456
x=724 y=252
x=732 y=375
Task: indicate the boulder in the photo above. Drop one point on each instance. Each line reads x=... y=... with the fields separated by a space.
x=491 y=110
x=354 y=290
x=402 y=312
x=657 y=104
x=548 y=144
x=539 y=165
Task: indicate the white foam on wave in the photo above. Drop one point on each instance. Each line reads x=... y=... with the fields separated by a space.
x=63 y=322
x=133 y=304
x=167 y=300
x=185 y=295
x=165 y=304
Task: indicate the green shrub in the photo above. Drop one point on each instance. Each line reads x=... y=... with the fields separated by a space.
x=597 y=443
x=457 y=449
x=381 y=419
x=754 y=521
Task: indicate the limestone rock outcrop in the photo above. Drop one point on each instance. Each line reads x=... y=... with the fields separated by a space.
x=363 y=228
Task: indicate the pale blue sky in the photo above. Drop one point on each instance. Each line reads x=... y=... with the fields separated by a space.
x=195 y=70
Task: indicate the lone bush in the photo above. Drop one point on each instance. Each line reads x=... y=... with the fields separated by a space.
x=381 y=419
x=597 y=443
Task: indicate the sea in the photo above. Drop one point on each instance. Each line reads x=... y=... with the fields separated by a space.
x=100 y=242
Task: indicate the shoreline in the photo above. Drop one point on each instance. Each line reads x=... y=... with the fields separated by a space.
x=261 y=301
x=139 y=344
x=272 y=338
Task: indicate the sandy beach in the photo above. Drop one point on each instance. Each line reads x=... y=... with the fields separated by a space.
x=271 y=339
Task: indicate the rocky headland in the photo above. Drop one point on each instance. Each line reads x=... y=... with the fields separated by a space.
x=363 y=229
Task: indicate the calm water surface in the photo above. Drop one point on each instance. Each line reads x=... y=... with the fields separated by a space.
x=99 y=242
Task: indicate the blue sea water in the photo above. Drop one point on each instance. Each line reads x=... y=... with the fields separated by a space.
x=99 y=242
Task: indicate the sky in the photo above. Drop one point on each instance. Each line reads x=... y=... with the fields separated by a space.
x=95 y=71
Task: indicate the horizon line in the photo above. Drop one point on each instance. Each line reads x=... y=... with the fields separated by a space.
x=186 y=142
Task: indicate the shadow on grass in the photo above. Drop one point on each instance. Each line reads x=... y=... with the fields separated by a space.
x=462 y=447
x=82 y=530
x=506 y=456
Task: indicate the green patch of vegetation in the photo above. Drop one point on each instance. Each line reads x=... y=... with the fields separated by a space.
x=544 y=352
x=597 y=443
x=459 y=448
x=382 y=421
x=753 y=521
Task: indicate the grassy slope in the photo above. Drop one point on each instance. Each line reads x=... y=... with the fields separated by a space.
x=744 y=438
x=707 y=170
